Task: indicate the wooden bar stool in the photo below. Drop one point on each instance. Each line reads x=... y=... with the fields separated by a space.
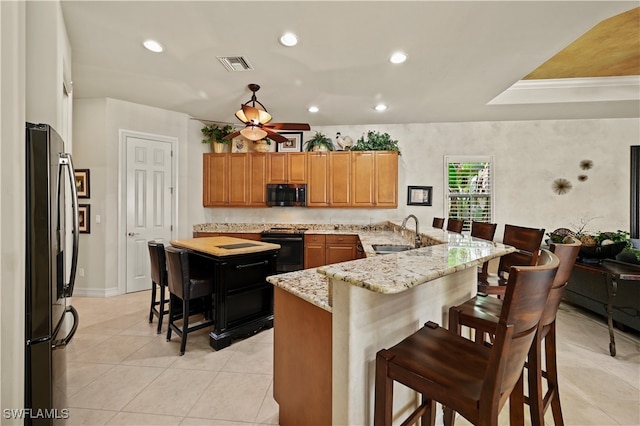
x=438 y=222
x=158 y=274
x=187 y=285
x=455 y=225
x=486 y=231
x=473 y=380
x=527 y=241
x=481 y=313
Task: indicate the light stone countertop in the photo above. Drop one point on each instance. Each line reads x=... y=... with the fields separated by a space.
x=442 y=253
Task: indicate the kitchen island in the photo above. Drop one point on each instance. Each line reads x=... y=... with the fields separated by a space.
x=331 y=322
x=243 y=300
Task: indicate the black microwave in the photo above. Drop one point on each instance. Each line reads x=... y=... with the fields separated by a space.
x=287 y=194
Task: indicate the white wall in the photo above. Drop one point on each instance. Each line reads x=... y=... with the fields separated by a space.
x=12 y=205
x=96 y=128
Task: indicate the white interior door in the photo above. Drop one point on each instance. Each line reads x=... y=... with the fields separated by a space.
x=149 y=201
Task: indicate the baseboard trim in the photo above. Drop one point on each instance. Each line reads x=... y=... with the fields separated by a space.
x=90 y=292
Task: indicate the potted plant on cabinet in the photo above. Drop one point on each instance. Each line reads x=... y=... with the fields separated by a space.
x=262 y=145
x=376 y=141
x=214 y=135
x=319 y=142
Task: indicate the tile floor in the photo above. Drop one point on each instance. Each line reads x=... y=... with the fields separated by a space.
x=122 y=373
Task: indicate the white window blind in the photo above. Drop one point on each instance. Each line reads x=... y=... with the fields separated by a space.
x=469 y=192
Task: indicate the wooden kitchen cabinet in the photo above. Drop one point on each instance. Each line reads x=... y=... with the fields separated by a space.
x=329 y=180
x=234 y=180
x=257 y=170
x=374 y=178
x=340 y=248
x=314 y=251
x=287 y=167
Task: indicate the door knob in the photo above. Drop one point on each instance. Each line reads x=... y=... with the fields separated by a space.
x=133 y=234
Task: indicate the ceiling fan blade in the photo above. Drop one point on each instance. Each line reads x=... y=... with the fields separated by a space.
x=231 y=136
x=275 y=136
x=288 y=126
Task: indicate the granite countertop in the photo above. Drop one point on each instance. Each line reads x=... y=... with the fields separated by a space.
x=442 y=253
x=224 y=246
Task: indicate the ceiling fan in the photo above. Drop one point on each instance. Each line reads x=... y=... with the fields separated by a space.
x=257 y=121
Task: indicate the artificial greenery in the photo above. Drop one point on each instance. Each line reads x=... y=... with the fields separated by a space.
x=214 y=133
x=319 y=140
x=376 y=141
x=265 y=140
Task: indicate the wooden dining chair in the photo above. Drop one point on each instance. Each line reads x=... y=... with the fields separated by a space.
x=527 y=242
x=455 y=225
x=481 y=313
x=438 y=222
x=486 y=231
x=473 y=380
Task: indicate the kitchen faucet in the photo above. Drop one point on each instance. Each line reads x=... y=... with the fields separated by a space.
x=418 y=242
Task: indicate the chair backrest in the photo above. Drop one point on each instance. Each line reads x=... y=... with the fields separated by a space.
x=483 y=230
x=158 y=263
x=438 y=222
x=526 y=240
x=455 y=225
x=567 y=254
x=177 y=271
x=524 y=300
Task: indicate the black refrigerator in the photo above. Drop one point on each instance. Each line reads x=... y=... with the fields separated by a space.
x=51 y=226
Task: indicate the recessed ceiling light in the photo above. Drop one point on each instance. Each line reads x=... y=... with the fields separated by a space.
x=380 y=107
x=314 y=109
x=398 y=58
x=289 y=39
x=153 y=46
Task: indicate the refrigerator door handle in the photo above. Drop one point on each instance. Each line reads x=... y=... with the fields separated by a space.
x=61 y=343
x=65 y=160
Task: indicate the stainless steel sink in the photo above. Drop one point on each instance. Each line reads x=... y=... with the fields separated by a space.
x=390 y=248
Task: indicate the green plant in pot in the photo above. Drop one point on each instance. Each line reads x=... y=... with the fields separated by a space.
x=262 y=145
x=319 y=142
x=376 y=141
x=215 y=134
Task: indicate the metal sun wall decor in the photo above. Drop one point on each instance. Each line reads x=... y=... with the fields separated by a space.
x=561 y=186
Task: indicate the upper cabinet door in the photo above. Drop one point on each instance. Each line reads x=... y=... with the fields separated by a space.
x=386 y=179
x=362 y=178
x=238 y=179
x=318 y=182
x=215 y=184
x=297 y=164
x=339 y=173
x=278 y=170
x=258 y=179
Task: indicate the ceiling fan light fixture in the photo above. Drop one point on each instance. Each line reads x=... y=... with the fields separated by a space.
x=288 y=39
x=398 y=58
x=380 y=107
x=153 y=46
x=253 y=133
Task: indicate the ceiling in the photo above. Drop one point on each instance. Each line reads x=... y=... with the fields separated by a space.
x=460 y=56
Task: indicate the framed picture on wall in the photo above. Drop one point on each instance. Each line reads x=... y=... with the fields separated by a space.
x=82 y=182
x=419 y=195
x=84 y=218
x=293 y=143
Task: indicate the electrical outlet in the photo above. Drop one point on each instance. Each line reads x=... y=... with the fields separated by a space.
x=81 y=272
x=98 y=218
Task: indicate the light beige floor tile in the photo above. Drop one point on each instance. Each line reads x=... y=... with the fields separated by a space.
x=192 y=421
x=174 y=392
x=250 y=357
x=113 y=350
x=114 y=390
x=623 y=412
x=82 y=416
x=202 y=358
x=80 y=374
x=142 y=327
x=156 y=353
x=137 y=419
x=232 y=396
x=82 y=342
x=268 y=413
x=264 y=336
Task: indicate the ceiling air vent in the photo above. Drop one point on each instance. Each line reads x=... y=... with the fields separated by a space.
x=235 y=63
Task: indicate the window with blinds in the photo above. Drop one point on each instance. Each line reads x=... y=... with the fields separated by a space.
x=469 y=192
